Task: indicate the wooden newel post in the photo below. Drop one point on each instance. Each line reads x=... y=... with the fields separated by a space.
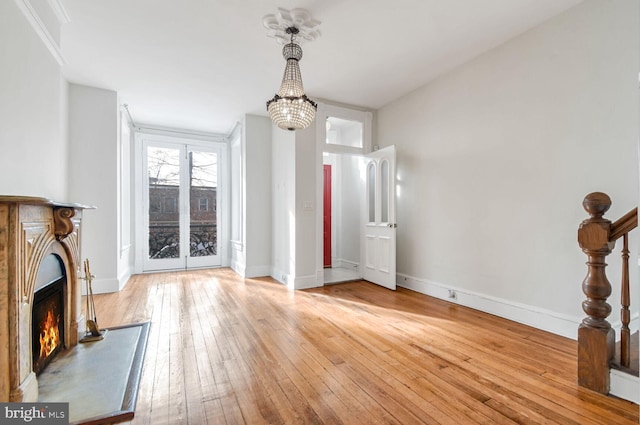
x=595 y=336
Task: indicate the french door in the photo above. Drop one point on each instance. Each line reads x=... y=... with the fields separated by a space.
x=181 y=199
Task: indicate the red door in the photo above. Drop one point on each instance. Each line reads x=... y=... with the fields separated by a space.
x=327 y=215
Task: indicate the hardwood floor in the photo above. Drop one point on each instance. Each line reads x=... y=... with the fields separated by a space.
x=223 y=350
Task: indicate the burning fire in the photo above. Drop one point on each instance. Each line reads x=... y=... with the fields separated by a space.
x=50 y=336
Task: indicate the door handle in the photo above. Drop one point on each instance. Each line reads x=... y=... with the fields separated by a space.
x=392 y=225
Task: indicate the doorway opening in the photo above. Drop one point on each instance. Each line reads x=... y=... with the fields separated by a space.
x=363 y=228
x=344 y=136
x=342 y=190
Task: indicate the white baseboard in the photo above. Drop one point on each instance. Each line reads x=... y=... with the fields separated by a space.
x=305 y=282
x=237 y=267
x=123 y=279
x=625 y=386
x=537 y=317
x=257 y=271
x=106 y=286
x=280 y=276
x=252 y=271
x=345 y=264
x=103 y=286
x=295 y=282
x=237 y=260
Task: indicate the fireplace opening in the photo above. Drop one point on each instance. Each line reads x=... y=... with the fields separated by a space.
x=47 y=333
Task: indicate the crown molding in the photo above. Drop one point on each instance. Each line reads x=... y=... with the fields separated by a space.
x=40 y=28
x=60 y=11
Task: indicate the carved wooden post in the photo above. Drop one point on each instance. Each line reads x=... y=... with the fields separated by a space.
x=595 y=336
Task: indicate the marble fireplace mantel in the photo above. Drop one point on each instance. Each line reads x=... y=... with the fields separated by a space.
x=30 y=229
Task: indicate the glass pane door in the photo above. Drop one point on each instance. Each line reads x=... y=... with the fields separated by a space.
x=203 y=208
x=181 y=197
x=163 y=202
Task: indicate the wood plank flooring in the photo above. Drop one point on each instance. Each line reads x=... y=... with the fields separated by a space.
x=223 y=350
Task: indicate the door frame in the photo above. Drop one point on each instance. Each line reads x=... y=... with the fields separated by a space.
x=324 y=111
x=197 y=141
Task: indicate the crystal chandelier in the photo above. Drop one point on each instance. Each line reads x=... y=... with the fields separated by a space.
x=290 y=108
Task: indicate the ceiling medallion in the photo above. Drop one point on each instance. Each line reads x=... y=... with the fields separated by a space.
x=290 y=108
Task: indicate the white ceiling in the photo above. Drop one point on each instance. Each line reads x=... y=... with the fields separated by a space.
x=202 y=64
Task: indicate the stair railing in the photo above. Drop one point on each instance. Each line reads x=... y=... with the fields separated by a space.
x=596 y=338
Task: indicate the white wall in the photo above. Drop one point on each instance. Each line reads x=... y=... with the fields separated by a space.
x=306 y=274
x=251 y=198
x=125 y=202
x=294 y=207
x=495 y=157
x=33 y=111
x=351 y=188
x=61 y=141
x=237 y=257
x=283 y=205
x=257 y=211
x=346 y=191
x=93 y=179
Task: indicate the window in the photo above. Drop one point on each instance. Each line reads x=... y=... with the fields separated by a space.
x=203 y=204
x=154 y=204
x=371 y=185
x=384 y=191
x=170 y=205
x=344 y=132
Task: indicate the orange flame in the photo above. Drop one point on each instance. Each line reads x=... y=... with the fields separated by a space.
x=49 y=337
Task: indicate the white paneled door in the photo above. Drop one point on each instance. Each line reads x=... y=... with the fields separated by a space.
x=181 y=206
x=379 y=232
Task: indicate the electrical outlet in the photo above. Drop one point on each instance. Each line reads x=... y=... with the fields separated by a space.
x=453 y=295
